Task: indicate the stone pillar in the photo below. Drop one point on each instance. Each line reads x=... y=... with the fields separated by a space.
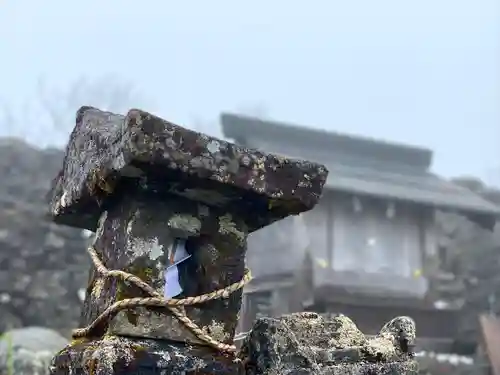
x=144 y=185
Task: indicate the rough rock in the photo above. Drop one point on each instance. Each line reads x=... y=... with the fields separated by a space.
x=122 y=355
x=42 y=265
x=302 y=343
x=308 y=343
x=29 y=350
x=106 y=147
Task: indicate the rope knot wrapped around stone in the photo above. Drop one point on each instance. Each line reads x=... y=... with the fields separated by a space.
x=156 y=300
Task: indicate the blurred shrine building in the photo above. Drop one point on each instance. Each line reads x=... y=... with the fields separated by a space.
x=371 y=248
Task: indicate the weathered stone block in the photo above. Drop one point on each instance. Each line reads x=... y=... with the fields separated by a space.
x=165 y=158
x=122 y=356
x=307 y=343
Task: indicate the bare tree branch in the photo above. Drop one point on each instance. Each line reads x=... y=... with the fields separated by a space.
x=52 y=112
x=108 y=93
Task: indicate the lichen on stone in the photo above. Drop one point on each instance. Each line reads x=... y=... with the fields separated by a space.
x=217 y=331
x=112 y=355
x=97 y=287
x=228 y=226
x=187 y=224
x=105 y=148
x=313 y=344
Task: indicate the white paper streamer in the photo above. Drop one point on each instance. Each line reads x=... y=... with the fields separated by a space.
x=172 y=286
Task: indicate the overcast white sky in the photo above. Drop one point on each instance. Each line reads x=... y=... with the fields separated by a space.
x=422 y=72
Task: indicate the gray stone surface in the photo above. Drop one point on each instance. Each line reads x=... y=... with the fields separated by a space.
x=115 y=355
x=105 y=148
x=29 y=350
x=42 y=265
x=308 y=343
x=300 y=344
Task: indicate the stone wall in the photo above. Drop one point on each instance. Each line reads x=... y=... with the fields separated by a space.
x=42 y=265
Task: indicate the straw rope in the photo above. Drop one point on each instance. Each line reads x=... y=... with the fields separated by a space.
x=157 y=300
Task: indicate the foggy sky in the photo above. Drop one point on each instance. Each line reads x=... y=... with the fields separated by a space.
x=421 y=72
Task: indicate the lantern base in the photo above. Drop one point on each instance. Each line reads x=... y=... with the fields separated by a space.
x=113 y=355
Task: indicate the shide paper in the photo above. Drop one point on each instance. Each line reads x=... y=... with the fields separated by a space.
x=178 y=254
